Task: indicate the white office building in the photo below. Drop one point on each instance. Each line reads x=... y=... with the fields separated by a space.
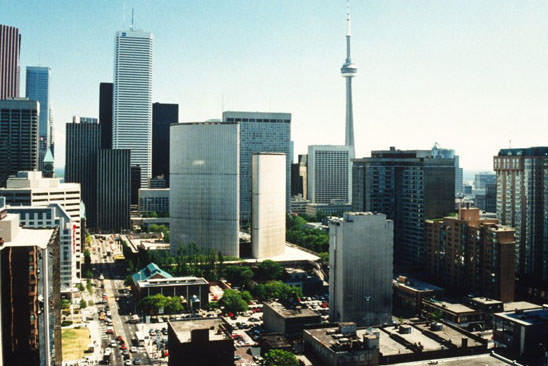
x=268 y=208
x=132 y=99
x=360 y=268
x=31 y=189
x=330 y=173
x=204 y=186
x=52 y=216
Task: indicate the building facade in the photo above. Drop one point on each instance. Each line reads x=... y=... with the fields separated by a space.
x=37 y=88
x=10 y=48
x=154 y=200
x=268 y=204
x=105 y=114
x=31 y=189
x=163 y=115
x=113 y=190
x=470 y=254
x=483 y=178
x=204 y=186
x=83 y=141
x=30 y=322
x=18 y=136
x=360 y=268
x=260 y=132
x=329 y=173
x=288 y=321
x=132 y=98
x=408 y=186
x=522 y=201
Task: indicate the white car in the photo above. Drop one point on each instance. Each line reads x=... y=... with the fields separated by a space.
x=133 y=349
x=127 y=362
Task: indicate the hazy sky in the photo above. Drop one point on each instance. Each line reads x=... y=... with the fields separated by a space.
x=468 y=74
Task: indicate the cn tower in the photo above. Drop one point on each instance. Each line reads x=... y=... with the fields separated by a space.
x=348 y=70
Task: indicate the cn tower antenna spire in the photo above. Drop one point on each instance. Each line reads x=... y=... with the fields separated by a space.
x=348 y=70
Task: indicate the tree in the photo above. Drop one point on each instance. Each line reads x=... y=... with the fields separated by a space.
x=173 y=305
x=278 y=357
x=152 y=304
x=233 y=302
x=246 y=296
x=324 y=257
x=269 y=270
x=276 y=290
x=65 y=304
x=238 y=275
x=83 y=304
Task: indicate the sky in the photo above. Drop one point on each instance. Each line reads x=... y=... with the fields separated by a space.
x=470 y=75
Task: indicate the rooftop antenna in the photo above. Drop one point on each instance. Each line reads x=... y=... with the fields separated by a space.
x=510 y=144
x=132 y=19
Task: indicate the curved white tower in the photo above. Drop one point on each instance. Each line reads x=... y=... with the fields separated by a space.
x=348 y=70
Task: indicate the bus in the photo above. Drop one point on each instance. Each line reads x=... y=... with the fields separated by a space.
x=141 y=337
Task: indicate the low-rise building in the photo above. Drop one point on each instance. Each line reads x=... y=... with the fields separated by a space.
x=333 y=208
x=200 y=342
x=522 y=334
x=288 y=321
x=309 y=283
x=409 y=293
x=154 y=200
x=342 y=345
x=454 y=313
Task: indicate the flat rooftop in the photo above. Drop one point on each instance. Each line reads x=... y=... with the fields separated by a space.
x=456 y=308
x=527 y=317
x=290 y=313
x=486 y=301
x=389 y=347
x=520 y=305
x=477 y=360
x=183 y=329
x=417 y=285
x=292 y=254
x=451 y=335
x=173 y=281
x=330 y=336
x=416 y=336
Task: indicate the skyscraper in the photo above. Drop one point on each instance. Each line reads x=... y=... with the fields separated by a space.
x=268 y=204
x=83 y=140
x=408 y=186
x=113 y=190
x=37 y=88
x=329 y=173
x=105 y=114
x=360 y=268
x=260 y=132
x=204 y=186
x=18 y=136
x=522 y=201
x=10 y=47
x=348 y=70
x=132 y=103
x=162 y=116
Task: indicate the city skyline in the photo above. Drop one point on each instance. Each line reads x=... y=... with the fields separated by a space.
x=424 y=66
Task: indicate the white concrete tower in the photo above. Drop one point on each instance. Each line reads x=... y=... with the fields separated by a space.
x=348 y=70
x=132 y=98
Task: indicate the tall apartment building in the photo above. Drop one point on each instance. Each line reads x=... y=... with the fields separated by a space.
x=30 y=327
x=268 y=204
x=470 y=254
x=132 y=98
x=408 y=186
x=299 y=178
x=105 y=114
x=10 y=48
x=18 y=136
x=83 y=140
x=482 y=179
x=162 y=116
x=204 y=186
x=31 y=189
x=113 y=190
x=54 y=216
x=360 y=268
x=37 y=88
x=260 y=132
x=440 y=153
x=522 y=203
x=329 y=173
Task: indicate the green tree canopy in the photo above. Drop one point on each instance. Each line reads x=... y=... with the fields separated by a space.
x=278 y=357
x=269 y=270
x=233 y=301
x=276 y=290
x=238 y=275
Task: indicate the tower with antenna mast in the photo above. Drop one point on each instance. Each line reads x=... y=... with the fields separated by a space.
x=348 y=70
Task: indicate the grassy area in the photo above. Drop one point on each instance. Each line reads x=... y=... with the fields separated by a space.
x=75 y=342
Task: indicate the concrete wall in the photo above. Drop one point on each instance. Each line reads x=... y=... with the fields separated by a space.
x=268 y=204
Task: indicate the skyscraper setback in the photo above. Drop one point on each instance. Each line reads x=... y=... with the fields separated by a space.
x=132 y=98
x=37 y=88
x=10 y=47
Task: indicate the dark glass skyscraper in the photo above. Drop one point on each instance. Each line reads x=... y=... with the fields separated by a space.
x=113 y=190
x=408 y=186
x=18 y=137
x=37 y=88
x=105 y=114
x=83 y=141
x=162 y=116
x=10 y=46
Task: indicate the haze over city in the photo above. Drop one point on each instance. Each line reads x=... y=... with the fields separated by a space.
x=469 y=75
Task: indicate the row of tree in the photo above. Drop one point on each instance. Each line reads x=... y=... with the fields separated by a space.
x=312 y=239
x=155 y=304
